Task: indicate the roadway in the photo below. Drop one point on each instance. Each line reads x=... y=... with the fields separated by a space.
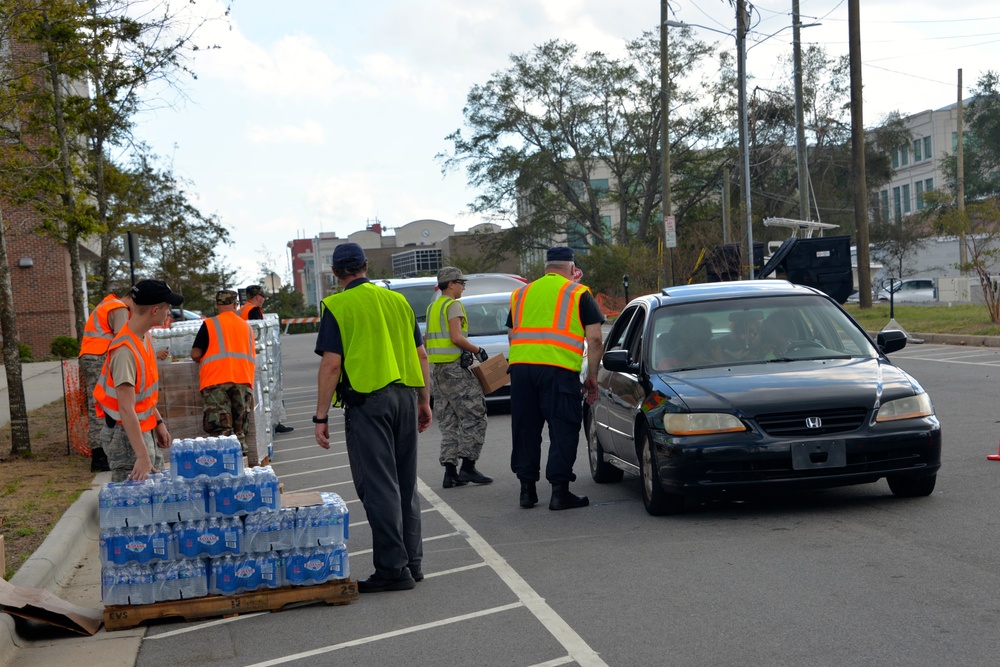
x=845 y=576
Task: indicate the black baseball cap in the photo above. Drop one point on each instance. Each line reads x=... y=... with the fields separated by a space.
x=152 y=292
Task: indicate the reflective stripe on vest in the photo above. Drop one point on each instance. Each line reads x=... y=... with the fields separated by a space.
x=230 y=355
x=440 y=349
x=244 y=311
x=546 y=323
x=146 y=381
x=97 y=333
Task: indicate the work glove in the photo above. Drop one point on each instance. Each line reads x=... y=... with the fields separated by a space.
x=465 y=360
x=482 y=355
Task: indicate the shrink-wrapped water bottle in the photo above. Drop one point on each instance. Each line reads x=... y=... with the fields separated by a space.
x=141 y=588
x=192 y=578
x=163 y=542
x=222 y=579
x=286 y=534
x=115 y=585
x=106 y=504
x=232 y=535
x=165 y=582
x=337 y=564
x=269 y=566
x=246 y=570
x=295 y=571
x=138 y=547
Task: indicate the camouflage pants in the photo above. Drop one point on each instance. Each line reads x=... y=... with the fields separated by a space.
x=90 y=368
x=460 y=411
x=227 y=410
x=121 y=456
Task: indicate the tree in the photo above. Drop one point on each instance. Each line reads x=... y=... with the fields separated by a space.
x=893 y=241
x=980 y=224
x=540 y=132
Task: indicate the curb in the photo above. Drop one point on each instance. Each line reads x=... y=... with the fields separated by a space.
x=958 y=339
x=55 y=560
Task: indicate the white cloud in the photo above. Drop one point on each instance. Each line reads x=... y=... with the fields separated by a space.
x=308 y=132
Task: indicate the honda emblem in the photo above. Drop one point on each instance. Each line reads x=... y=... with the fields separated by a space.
x=814 y=422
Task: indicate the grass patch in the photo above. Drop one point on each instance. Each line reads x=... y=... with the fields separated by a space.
x=967 y=319
x=35 y=491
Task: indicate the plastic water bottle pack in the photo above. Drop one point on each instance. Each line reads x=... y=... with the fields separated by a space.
x=231 y=575
x=124 y=504
x=316 y=565
x=209 y=537
x=212 y=457
x=255 y=490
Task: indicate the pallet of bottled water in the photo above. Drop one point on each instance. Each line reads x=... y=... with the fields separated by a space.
x=221 y=531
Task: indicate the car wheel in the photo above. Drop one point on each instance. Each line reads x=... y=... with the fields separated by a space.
x=912 y=487
x=657 y=501
x=602 y=471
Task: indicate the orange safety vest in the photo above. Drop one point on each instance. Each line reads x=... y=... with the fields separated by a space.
x=546 y=323
x=230 y=355
x=147 y=381
x=245 y=310
x=97 y=333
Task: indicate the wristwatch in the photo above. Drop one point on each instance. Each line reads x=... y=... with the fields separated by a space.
x=317 y=420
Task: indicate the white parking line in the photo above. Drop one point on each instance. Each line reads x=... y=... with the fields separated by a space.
x=386 y=635
x=365 y=523
x=312 y=472
x=574 y=644
x=426 y=539
x=322 y=486
x=565 y=660
x=954 y=361
x=309 y=458
x=207 y=624
x=454 y=570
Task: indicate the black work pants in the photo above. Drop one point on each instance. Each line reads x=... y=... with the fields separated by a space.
x=381 y=436
x=542 y=395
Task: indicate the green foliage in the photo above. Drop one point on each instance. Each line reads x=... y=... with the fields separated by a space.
x=66 y=347
x=604 y=267
x=24 y=351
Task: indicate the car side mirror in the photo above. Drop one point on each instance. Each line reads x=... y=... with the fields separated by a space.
x=891 y=341
x=618 y=362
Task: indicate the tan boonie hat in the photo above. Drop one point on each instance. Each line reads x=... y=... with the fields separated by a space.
x=448 y=274
x=225 y=297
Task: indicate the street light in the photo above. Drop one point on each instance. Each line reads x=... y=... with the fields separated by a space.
x=744 y=131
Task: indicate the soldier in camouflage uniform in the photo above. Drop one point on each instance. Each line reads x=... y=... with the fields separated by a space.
x=224 y=346
x=459 y=404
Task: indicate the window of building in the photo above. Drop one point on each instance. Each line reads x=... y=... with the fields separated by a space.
x=885 y=204
x=917 y=154
x=904 y=156
x=576 y=237
x=919 y=187
x=906 y=198
x=927 y=148
x=928 y=185
x=424 y=261
x=895 y=159
x=599 y=186
x=897 y=208
x=954 y=142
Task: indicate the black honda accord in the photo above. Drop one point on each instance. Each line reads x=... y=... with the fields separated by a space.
x=723 y=389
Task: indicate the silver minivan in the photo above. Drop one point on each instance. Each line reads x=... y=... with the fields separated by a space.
x=421 y=292
x=912 y=289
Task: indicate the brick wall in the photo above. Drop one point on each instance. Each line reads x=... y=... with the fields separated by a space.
x=43 y=298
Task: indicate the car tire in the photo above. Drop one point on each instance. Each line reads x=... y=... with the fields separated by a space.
x=656 y=501
x=908 y=486
x=602 y=471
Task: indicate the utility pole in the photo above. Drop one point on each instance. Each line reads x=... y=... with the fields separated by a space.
x=741 y=57
x=960 y=178
x=858 y=155
x=725 y=204
x=665 y=141
x=801 y=153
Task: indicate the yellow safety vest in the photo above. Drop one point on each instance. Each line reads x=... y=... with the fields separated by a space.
x=440 y=349
x=546 y=323
x=377 y=329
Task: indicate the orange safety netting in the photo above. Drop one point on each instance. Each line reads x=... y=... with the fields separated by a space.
x=75 y=395
x=610 y=305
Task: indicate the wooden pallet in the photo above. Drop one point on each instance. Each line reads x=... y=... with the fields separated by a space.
x=122 y=617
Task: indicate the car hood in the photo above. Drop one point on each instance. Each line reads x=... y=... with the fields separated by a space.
x=787 y=386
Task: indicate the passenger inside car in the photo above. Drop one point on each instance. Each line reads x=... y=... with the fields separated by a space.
x=688 y=344
x=778 y=333
x=743 y=340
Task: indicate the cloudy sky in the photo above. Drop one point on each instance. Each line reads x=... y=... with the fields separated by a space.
x=324 y=115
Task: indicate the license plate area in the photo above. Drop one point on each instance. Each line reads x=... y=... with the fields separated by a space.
x=819 y=454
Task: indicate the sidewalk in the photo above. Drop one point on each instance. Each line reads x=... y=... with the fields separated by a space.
x=66 y=564
x=42 y=382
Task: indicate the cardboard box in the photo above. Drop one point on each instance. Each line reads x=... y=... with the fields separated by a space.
x=492 y=373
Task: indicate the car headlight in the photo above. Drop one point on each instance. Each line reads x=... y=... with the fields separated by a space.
x=701 y=423
x=910 y=407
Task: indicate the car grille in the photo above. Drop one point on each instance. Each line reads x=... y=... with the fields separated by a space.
x=793 y=424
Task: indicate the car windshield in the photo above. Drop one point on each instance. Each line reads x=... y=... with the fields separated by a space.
x=752 y=331
x=419 y=297
x=487 y=319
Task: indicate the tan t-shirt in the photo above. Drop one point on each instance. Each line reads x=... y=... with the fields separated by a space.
x=117 y=319
x=124 y=367
x=455 y=310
